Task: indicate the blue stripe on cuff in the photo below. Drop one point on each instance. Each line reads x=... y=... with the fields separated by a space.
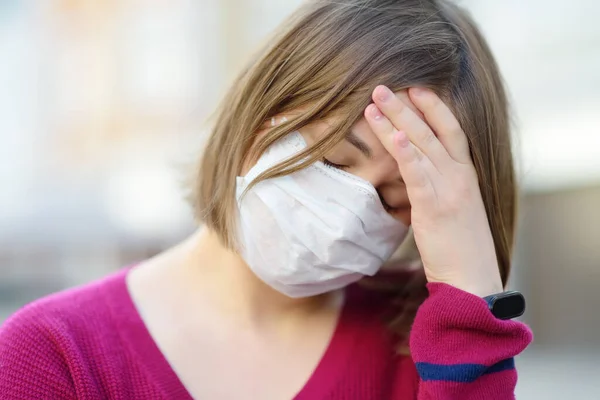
x=463 y=373
x=503 y=365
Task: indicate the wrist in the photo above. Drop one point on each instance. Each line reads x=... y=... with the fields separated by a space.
x=484 y=290
x=479 y=289
x=481 y=278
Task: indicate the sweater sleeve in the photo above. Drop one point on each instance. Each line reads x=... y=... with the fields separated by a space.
x=31 y=364
x=461 y=351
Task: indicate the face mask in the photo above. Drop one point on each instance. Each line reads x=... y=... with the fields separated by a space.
x=315 y=230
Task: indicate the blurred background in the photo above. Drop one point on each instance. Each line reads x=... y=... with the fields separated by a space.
x=102 y=101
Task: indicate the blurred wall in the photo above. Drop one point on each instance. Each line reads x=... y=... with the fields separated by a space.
x=559 y=253
x=101 y=102
x=556 y=266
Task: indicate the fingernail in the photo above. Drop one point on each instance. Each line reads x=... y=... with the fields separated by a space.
x=374 y=111
x=383 y=93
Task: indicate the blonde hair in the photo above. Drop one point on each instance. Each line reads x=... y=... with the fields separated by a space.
x=325 y=60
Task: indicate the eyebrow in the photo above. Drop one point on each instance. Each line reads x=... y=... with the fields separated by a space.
x=359 y=144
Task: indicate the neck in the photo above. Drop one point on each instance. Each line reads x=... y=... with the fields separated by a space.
x=223 y=276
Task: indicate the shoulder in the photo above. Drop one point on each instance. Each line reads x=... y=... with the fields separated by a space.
x=65 y=310
x=41 y=341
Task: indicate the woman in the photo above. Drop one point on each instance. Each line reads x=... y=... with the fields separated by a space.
x=361 y=118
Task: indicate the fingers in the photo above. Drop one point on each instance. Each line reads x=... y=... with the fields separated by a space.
x=414 y=166
x=404 y=119
x=384 y=130
x=443 y=122
x=410 y=163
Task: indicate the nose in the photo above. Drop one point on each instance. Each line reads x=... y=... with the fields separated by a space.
x=395 y=196
x=382 y=173
x=387 y=180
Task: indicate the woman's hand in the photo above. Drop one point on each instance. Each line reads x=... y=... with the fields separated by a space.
x=447 y=212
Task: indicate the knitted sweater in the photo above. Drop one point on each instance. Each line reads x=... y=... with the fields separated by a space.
x=91 y=343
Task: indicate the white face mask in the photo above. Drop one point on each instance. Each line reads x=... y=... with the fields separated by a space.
x=315 y=230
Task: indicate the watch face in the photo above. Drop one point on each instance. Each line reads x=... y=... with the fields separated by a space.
x=511 y=305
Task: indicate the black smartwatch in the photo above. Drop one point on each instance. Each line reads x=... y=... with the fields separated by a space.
x=506 y=305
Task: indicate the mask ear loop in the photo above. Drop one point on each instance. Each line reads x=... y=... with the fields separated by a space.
x=258 y=168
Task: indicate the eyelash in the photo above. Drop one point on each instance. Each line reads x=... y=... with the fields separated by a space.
x=334 y=165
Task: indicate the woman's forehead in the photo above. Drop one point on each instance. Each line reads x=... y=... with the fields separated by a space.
x=402 y=95
x=317 y=129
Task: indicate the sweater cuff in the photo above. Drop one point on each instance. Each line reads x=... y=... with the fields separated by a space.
x=454 y=326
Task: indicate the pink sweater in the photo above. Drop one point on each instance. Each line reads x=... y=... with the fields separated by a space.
x=90 y=343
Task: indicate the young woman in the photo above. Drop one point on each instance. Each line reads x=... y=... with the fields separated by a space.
x=360 y=118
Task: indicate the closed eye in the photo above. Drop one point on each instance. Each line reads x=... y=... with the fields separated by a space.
x=334 y=165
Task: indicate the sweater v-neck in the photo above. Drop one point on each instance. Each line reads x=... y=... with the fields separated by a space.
x=139 y=342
